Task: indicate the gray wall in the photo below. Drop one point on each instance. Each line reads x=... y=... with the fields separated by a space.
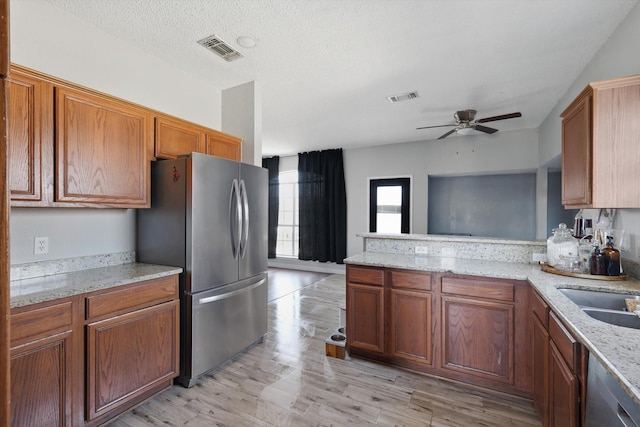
x=483 y=205
x=618 y=57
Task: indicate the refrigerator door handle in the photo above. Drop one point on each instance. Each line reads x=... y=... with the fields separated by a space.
x=214 y=298
x=245 y=219
x=235 y=218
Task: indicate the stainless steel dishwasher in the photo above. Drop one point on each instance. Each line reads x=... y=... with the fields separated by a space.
x=608 y=405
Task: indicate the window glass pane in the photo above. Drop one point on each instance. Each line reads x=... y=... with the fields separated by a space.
x=389 y=223
x=390 y=195
x=287 y=242
x=389 y=205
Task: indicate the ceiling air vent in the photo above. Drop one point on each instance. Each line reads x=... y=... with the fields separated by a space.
x=220 y=48
x=403 y=97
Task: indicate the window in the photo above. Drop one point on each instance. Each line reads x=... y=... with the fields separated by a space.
x=287 y=243
x=389 y=205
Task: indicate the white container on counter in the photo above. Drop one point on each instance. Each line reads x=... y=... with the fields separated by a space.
x=561 y=246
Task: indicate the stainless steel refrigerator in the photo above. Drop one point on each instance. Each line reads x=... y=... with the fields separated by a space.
x=208 y=215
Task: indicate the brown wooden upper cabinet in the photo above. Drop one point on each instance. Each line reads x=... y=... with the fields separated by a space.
x=224 y=145
x=97 y=147
x=176 y=137
x=30 y=138
x=4 y=38
x=600 y=156
x=71 y=146
x=101 y=150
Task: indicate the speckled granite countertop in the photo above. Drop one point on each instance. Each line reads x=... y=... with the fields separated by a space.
x=618 y=348
x=47 y=288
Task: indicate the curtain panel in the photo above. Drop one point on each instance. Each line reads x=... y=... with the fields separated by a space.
x=272 y=164
x=322 y=206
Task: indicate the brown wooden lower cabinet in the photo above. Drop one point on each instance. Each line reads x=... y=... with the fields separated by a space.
x=410 y=332
x=42 y=347
x=477 y=338
x=125 y=339
x=129 y=355
x=559 y=368
x=366 y=326
x=460 y=327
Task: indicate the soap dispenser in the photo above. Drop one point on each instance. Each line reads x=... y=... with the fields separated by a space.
x=612 y=258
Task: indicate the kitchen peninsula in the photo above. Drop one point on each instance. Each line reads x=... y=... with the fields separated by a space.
x=476 y=300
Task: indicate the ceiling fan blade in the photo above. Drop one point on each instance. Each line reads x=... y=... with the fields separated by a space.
x=429 y=127
x=448 y=133
x=501 y=117
x=485 y=129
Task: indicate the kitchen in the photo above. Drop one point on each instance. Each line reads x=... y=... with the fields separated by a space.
x=76 y=232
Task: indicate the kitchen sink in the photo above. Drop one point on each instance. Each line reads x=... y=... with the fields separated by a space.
x=597 y=299
x=618 y=318
x=608 y=307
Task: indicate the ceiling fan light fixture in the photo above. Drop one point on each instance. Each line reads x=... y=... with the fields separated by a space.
x=464 y=131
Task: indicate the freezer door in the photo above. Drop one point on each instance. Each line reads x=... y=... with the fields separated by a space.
x=213 y=222
x=254 y=189
x=224 y=321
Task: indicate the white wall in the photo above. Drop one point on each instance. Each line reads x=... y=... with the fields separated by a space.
x=51 y=41
x=242 y=116
x=71 y=232
x=618 y=57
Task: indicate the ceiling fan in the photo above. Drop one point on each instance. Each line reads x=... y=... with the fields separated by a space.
x=465 y=119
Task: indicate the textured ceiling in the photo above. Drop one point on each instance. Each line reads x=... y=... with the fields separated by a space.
x=326 y=67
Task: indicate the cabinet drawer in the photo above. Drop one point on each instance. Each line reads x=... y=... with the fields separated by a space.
x=370 y=276
x=134 y=297
x=540 y=308
x=410 y=280
x=40 y=322
x=567 y=345
x=478 y=288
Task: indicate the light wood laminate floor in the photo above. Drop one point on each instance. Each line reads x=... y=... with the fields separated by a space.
x=288 y=381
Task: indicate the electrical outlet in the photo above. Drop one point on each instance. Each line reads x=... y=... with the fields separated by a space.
x=40 y=245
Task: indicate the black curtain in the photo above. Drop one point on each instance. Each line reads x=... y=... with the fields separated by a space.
x=272 y=164
x=322 y=206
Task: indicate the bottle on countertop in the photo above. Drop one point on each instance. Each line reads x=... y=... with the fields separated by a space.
x=612 y=258
x=578 y=227
x=597 y=265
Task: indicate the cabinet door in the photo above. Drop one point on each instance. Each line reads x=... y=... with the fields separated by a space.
x=540 y=350
x=129 y=355
x=42 y=357
x=223 y=145
x=563 y=391
x=101 y=150
x=477 y=338
x=576 y=153
x=30 y=137
x=365 y=317
x=40 y=384
x=410 y=324
x=175 y=138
